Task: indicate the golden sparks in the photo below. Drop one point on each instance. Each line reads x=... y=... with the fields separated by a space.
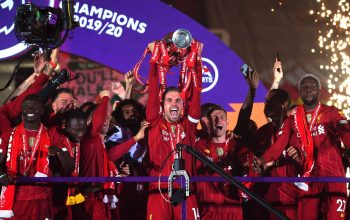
x=334 y=43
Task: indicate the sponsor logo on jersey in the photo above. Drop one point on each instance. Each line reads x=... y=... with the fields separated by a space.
x=165 y=135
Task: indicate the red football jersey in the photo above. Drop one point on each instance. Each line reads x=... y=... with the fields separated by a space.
x=92 y=146
x=161 y=139
x=330 y=127
x=217 y=192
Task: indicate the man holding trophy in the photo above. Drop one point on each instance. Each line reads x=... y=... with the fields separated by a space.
x=173 y=114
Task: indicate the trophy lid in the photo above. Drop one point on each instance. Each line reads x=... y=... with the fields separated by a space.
x=182 y=38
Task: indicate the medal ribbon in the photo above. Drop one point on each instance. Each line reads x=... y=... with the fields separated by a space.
x=173 y=136
x=191 y=66
x=74 y=196
x=305 y=130
x=183 y=77
x=26 y=148
x=74 y=154
x=164 y=59
x=154 y=58
x=162 y=82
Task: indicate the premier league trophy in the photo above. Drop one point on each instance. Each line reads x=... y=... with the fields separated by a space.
x=175 y=48
x=182 y=38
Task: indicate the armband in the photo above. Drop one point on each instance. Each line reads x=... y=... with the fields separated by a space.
x=52 y=64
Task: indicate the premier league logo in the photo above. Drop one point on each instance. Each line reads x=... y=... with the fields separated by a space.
x=6 y=6
x=9 y=44
x=210 y=74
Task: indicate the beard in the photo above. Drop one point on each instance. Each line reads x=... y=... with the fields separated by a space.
x=313 y=101
x=70 y=136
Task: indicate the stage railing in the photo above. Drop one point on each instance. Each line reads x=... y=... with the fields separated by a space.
x=193 y=179
x=235 y=181
x=28 y=180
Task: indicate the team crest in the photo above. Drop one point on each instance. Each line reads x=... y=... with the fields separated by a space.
x=31 y=141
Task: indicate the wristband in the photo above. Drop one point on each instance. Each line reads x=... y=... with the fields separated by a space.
x=53 y=65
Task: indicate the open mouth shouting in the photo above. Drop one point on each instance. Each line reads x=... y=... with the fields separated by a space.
x=219 y=127
x=174 y=112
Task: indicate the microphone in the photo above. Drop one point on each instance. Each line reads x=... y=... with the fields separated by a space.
x=178 y=171
x=179 y=147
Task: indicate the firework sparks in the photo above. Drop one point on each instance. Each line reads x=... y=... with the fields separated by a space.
x=334 y=43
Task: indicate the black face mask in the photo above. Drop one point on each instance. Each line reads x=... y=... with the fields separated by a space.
x=133 y=124
x=112 y=130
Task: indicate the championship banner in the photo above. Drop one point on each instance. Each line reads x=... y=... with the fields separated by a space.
x=115 y=33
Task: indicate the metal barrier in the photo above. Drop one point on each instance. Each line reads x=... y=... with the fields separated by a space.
x=27 y=180
x=31 y=180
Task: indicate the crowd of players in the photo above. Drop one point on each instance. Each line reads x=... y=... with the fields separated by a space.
x=46 y=132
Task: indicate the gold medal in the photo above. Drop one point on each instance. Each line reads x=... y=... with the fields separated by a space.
x=308 y=117
x=173 y=127
x=31 y=141
x=220 y=151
